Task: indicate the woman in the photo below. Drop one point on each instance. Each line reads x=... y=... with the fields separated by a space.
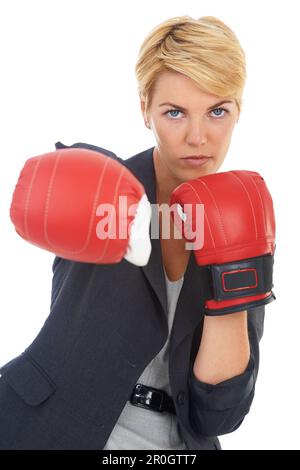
x=127 y=359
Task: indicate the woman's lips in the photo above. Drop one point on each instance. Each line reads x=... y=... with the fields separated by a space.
x=195 y=161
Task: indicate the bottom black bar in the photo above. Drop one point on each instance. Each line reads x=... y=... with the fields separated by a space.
x=131 y=459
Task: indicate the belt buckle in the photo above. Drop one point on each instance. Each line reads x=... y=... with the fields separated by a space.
x=147 y=397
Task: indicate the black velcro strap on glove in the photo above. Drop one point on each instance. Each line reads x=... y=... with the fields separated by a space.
x=240 y=278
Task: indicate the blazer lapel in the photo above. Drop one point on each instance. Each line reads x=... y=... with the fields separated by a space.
x=142 y=167
x=189 y=310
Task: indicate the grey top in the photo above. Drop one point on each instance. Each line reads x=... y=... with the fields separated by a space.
x=138 y=428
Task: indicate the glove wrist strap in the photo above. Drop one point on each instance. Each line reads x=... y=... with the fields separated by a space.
x=248 y=277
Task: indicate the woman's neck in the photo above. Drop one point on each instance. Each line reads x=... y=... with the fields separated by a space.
x=165 y=181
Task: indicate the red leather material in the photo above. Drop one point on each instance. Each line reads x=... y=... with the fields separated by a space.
x=239 y=219
x=239 y=237
x=56 y=198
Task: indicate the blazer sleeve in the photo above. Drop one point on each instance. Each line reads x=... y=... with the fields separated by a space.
x=221 y=408
x=83 y=145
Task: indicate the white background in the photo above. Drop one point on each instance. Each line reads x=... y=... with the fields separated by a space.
x=67 y=73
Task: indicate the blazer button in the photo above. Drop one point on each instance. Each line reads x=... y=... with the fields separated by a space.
x=180 y=398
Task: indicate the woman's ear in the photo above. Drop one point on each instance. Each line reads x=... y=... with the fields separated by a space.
x=142 y=103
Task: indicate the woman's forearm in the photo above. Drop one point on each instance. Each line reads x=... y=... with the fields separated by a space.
x=224 y=350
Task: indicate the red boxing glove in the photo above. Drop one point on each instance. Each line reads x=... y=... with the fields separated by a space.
x=68 y=202
x=239 y=238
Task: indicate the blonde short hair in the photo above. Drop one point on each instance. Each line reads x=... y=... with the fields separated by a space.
x=205 y=50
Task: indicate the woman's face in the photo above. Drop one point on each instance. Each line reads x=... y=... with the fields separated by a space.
x=195 y=123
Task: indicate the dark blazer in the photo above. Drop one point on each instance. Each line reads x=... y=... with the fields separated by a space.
x=106 y=323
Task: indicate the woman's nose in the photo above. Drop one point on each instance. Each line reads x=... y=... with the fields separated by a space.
x=196 y=133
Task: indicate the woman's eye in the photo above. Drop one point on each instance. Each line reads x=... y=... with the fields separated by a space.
x=173 y=111
x=219 y=112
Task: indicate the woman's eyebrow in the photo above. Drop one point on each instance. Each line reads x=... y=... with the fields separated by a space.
x=184 y=109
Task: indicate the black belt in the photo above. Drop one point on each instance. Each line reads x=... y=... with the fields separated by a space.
x=152 y=399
